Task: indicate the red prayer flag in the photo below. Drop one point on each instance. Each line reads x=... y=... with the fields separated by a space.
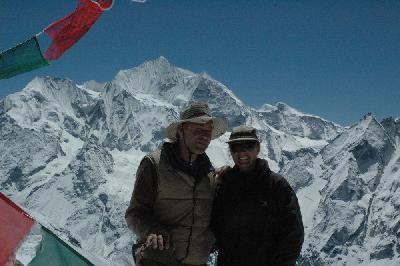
x=68 y=30
x=105 y=4
x=15 y=224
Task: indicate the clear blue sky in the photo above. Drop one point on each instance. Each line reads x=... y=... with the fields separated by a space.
x=336 y=59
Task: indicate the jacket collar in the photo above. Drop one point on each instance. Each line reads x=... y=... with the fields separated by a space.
x=200 y=167
x=262 y=169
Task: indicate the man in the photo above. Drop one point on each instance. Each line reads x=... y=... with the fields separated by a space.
x=256 y=216
x=170 y=208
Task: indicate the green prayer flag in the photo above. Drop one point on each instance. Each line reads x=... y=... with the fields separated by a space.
x=53 y=251
x=22 y=58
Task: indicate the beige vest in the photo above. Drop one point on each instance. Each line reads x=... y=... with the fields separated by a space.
x=185 y=210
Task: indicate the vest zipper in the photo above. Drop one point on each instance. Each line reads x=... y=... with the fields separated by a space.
x=191 y=228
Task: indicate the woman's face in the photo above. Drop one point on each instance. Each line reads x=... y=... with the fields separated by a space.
x=244 y=154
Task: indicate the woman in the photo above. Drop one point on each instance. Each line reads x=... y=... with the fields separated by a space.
x=256 y=216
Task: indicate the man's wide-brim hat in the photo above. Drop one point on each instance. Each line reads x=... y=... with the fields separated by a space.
x=198 y=113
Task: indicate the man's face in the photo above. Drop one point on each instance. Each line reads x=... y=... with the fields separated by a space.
x=197 y=136
x=244 y=154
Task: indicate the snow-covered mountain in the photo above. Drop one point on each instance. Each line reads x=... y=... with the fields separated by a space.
x=70 y=153
x=354 y=217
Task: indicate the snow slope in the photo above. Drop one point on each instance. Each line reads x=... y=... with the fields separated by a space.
x=70 y=153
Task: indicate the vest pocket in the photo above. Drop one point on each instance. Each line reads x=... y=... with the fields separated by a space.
x=165 y=256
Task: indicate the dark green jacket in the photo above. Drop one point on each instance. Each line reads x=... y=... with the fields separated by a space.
x=257 y=219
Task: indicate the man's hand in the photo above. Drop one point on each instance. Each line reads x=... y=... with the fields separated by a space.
x=157 y=241
x=220 y=171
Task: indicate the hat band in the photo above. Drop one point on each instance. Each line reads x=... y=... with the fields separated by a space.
x=243 y=137
x=197 y=115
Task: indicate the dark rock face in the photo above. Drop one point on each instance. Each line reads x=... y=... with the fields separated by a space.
x=89 y=168
x=2 y=111
x=18 y=144
x=350 y=190
x=16 y=177
x=221 y=103
x=73 y=127
x=366 y=155
x=383 y=252
x=392 y=127
x=298 y=165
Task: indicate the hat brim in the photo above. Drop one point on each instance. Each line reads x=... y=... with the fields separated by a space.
x=220 y=126
x=242 y=140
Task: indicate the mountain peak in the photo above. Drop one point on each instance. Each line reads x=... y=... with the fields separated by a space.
x=368 y=129
x=266 y=108
x=161 y=60
x=286 y=108
x=160 y=63
x=369 y=122
x=170 y=84
x=151 y=77
x=94 y=85
x=281 y=107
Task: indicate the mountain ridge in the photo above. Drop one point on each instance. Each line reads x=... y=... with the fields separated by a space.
x=88 y=139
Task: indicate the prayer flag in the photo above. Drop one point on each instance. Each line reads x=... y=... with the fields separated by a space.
x=53 y=251
x=22 y=58
x=64 y=33
x=15 y=224
x=67 y=31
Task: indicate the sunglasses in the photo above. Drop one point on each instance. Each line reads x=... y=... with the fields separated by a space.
x=242 y=147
